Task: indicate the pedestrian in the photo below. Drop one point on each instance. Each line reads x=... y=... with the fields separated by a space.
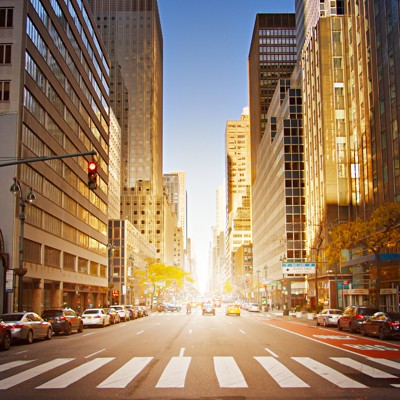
x=188 y=308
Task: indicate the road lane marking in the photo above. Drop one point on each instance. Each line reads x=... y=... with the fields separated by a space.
x=14 y=364
x=329 y=374
x=271 y=352
x=182 y=351
x=88 y=334
x=242 y=331
x=190 y=331
x=33 y=372
x=228 y=373
x=75 y=374
x=93 y=354
x=123 y=376
x=387 y=363
x=174 y=374
x=138 y=333
x=365 y=369
x=21 y=352
x=281 y=374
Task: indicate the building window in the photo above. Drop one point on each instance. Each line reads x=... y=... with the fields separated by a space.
x=4 y=90
x=5 y=53
x=6 y=17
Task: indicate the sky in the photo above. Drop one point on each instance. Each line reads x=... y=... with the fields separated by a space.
x=206 y=46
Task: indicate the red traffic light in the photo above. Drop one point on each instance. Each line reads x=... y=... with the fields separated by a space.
x=92 y=166
x=92 y=175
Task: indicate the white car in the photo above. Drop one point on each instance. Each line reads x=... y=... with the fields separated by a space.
x=95 y=317
x=328 y=317
x=122 y=311
x=253 y=307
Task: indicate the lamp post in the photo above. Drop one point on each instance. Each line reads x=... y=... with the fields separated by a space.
x=111 y=249
x=16 y=189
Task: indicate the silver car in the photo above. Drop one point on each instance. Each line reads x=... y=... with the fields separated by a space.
x=329 y=317
x=27 y=326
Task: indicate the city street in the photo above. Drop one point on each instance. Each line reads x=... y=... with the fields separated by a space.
x=179 y=356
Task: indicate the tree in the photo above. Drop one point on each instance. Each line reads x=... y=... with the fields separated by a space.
x=380 y=231
x=164 y=276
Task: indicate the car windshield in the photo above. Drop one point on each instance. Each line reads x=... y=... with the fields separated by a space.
x=11 y=317
x=394 y=316
x=118 y=308
x=335 y=312
x=368 y=311
x=51 y=313
x=86 y=312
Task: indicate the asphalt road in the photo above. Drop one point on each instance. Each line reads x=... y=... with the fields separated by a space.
x=179 y=356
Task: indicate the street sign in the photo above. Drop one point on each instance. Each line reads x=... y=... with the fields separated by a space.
x=299 y=268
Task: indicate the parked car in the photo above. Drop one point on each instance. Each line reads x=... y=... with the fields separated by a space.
x=95 y=317
x=114 y=316
x=5 y=336
x=133 y=314
x=139 y=311
x=27 y=326
x=253 y=307
x=328 y=317
x=354 y=316
x=162 y=307
x=208 y=308
x=146 y=311
x=173 y=307
x=381 y=324
x=232 y=309
x=63 y=320
x=122 y=311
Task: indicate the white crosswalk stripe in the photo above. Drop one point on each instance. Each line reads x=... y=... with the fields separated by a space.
x=228 y=373
x=329 y=373
x=75 y=374
x=122 y=377
x=365 y=369
x=226 y=370
x=32 y=372
x=14 y=364
x=174 y=374
x=281 y=374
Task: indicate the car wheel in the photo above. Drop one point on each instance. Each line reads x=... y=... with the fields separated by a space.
x=29 y=338
x=363 y=332
x=339 y=326
x=68 y=330
x=351 y=328
x=6 y=341
x=80 y=330
x=317 y=323
x=49 y=334
x=382 y=335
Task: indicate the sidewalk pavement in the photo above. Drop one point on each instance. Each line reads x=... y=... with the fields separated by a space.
x=291 y=317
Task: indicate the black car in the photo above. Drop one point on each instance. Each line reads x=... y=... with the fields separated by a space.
x=63 y=320
x=5 y=336
x=383 y=325
x=354 y=316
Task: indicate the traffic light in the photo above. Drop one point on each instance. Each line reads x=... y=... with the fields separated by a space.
x=92 y=175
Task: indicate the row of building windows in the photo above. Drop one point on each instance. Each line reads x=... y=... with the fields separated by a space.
x=46 y=54
x=278 y=57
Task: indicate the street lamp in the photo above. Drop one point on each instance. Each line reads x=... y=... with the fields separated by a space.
x=111 y=249
x=16 y=189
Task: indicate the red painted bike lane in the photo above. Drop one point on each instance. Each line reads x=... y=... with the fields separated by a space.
x=355 y=343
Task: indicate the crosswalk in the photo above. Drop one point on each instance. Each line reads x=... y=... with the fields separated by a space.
x=227 y=372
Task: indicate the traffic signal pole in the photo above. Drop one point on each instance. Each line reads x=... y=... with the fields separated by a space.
x=35 y=159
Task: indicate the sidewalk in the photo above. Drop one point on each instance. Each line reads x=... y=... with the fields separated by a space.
x=291 y=317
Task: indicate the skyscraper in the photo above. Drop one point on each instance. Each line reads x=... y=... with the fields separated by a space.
x=131 y=31
x=272 y=56
x=56 y=103
x=238 y=181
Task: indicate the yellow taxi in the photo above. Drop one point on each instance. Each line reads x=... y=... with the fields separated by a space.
x=232 y=309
